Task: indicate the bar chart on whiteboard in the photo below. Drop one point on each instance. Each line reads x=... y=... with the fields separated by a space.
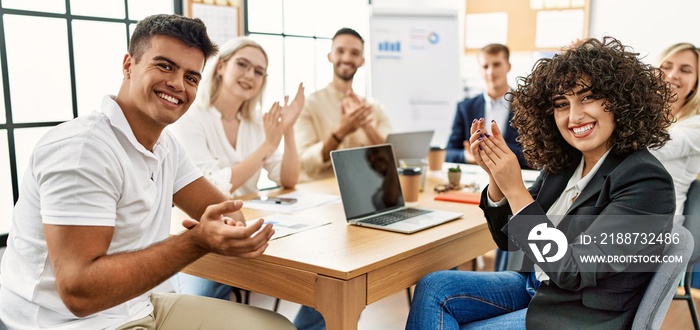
x=415 y=68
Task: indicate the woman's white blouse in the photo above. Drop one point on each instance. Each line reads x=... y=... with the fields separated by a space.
x=681 y=157
x=202 y=133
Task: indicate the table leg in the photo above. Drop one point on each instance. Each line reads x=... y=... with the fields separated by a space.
x=341 y=302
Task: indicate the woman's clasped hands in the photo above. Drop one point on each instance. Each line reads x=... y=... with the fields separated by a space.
x=493 y=155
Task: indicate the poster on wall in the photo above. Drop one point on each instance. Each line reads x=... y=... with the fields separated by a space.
x=221 y=20
x=415 y=68
x=558 y=27
x=485 y=28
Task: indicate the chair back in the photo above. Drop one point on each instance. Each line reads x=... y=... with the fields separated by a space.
x=691 y=211
x=657 y=298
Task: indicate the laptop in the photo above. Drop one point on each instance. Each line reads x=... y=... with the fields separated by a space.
x=410 y=145
x=371 y=193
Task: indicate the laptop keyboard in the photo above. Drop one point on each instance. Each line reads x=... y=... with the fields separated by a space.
x=393 y=217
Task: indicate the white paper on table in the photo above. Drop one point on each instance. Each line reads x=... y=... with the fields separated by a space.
x=304 y=201
x=285 y=224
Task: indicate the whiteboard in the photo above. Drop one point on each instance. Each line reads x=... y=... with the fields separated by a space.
x=415 y=68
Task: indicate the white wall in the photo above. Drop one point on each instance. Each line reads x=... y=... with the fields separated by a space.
x=648 y=26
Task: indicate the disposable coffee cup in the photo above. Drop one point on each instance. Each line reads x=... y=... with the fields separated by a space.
x=436 y=157
x=422 y=163
x=410 y=178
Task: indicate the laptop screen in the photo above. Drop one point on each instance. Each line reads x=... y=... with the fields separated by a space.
x=367 y=180
x=410 y=145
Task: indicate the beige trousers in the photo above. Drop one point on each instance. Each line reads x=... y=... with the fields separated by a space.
x=180 y=311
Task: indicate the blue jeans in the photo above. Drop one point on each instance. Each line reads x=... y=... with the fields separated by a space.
x=197 y=286
x=309 y=319
x=471 y=300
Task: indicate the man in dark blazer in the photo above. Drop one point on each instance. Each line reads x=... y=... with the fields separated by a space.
x=491 y=105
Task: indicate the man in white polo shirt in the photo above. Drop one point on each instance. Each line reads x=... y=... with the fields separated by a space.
x=89 y=237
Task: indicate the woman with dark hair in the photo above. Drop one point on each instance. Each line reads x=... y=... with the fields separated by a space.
x=586 y=118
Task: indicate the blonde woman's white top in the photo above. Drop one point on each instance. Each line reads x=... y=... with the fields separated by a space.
x=202 y=133
x=681 y=157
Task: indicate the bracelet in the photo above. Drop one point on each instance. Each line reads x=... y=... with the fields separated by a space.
x=336 y=138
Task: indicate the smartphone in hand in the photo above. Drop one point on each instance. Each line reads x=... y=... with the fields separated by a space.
x=274 y=200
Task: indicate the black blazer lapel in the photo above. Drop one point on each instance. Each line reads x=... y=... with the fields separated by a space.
x=596 y=184
x=555 y=184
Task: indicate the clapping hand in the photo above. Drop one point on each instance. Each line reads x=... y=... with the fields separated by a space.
x=291 y=111
x=273 y=125
x=355 y=113
x=351 y=102
x=468 y=156
x=215 y=232
x=493 y=155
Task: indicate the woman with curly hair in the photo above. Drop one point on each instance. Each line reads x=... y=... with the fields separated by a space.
x=681 y=155
x=586 y=118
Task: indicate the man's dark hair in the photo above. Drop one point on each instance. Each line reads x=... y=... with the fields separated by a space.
x=190 y=31
x=495 y=49
x=349 y=31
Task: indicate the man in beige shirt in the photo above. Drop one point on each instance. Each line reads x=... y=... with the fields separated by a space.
x=334 y=117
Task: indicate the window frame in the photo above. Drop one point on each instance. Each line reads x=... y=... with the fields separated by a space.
x=9 y=126
x=248 y=32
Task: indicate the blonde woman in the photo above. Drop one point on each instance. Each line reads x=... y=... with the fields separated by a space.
x=681 y=155
x=225 y=135
x=231 y=141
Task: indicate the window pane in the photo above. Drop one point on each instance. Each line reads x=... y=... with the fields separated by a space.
x=37 y=57
x=324 y=69
x=275 y=74
x=99 y=51
x=102 y=8
x=330 y=21
x=6 y=199
x=299 y=17
x=353 y=14
x=50 y=6
x=25 y=140
x=139 y=9
x=265 y=16
x=299 y=63
x=132 y=27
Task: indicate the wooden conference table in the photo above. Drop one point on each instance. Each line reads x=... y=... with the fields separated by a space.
x=338 y=268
